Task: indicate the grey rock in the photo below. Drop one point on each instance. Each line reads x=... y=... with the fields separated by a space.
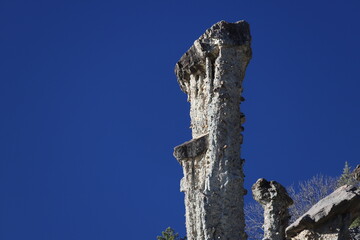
x=192 y=148
x=331 y=216
x=275 y=200
x=211 y=74
x=355 y=233
x=222 y=34
x=356 y=173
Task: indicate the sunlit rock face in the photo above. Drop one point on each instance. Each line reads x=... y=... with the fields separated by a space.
x=275 y=200
x=330 y=218
x=211 y=74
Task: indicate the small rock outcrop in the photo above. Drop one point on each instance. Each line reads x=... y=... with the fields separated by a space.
x=356 y=173
x=275 y=200
x=211 y=74
x=330 y=218
x=355 y=233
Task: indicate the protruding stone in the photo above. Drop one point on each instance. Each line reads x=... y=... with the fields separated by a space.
x=221 y=34
x=330 y=217
x=275 y=200
x=211 y=73
x=356 y=173
x=192 y=148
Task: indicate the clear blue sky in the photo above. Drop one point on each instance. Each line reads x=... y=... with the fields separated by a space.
x=91 y=110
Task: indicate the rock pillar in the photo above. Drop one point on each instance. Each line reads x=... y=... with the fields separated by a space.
x=211 y=73
x=275 y=200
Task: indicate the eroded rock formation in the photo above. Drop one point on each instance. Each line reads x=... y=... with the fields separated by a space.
x=211 y=73
x=275 y=200
x=330 y=218
x=356 y=173
x=355 y=233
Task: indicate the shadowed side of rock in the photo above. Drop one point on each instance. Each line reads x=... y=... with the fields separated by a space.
x=356 y=173
x=275 y=200
x=211 y=74
x=330 y=218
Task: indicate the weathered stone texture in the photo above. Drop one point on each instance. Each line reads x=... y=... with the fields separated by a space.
x=192 y=148
x=330 y=218
x=275 y=200
x=355 y=233
x=356 y=173
x=211 y=73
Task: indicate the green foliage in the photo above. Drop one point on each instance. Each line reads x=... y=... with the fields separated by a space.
x=346 y=177
x=169 y=234
x=355 y=223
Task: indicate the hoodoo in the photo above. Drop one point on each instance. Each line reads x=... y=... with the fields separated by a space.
x=211 y=74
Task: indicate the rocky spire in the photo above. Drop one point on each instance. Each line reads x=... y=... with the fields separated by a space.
x=275 y=200
x=211 y=74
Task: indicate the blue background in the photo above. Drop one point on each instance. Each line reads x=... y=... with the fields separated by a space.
x=91 y=109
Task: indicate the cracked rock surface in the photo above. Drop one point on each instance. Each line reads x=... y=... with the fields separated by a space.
x=356 y=173
x=275 y=200
x=211 y=74
x=331 y=217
